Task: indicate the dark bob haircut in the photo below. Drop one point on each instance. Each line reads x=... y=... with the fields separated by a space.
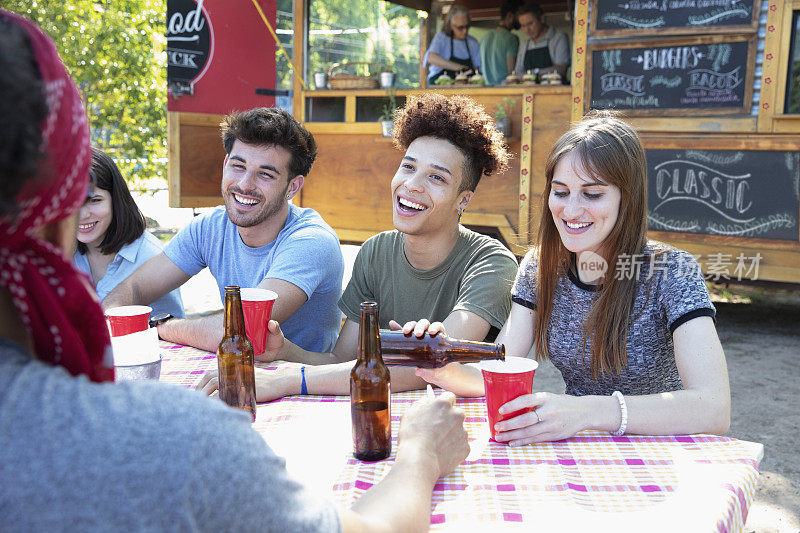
x=461 y=121
x=127 y=221
x=23 y=107
x=271 y=126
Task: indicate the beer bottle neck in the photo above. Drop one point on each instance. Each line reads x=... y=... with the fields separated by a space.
x=471 y=351
x=234 y=316
x=369 y=340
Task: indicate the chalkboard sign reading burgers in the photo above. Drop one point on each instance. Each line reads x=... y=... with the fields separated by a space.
x=701 y=76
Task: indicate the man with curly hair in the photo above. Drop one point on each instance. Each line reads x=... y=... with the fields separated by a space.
x=429 y=266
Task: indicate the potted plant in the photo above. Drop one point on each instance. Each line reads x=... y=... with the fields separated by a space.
x=386 y=77
x=501 y=120
x=387 y=114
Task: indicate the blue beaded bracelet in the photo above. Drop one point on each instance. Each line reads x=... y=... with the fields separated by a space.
x=303 y=389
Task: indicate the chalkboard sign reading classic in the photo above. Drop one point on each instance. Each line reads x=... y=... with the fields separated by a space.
x=617 y=18
x=701 y=76
x=734 y=193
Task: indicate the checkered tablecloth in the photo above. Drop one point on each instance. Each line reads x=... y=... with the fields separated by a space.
x=592 y=482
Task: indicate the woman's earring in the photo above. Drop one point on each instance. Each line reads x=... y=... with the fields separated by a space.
x=460 y=212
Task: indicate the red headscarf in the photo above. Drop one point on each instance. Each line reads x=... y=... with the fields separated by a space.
x=55 y=303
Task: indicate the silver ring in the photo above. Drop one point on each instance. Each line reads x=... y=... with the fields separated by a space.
x=538 y=418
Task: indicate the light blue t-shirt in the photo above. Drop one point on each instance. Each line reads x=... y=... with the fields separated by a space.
x=306 y=253
x=128 y=259
x=441 y=45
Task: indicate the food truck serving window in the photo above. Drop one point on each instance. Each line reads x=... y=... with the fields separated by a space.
x=371 y=33
x=793 y=74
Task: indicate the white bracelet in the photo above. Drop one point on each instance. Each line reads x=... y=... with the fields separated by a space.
x=624 y=412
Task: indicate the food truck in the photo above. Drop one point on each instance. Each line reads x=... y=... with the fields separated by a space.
x=713 y=88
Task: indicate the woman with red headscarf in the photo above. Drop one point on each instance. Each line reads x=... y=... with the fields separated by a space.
x=77 y=453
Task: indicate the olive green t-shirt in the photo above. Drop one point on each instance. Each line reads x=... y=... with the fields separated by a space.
x=477 y=276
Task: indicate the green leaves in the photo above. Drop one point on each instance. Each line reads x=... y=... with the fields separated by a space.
x=504 y=108
x=116 y=53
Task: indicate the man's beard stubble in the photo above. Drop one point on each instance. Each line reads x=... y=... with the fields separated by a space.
x=266 y=212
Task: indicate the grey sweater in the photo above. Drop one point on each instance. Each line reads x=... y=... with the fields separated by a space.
x=147 y=456
x=670 y=291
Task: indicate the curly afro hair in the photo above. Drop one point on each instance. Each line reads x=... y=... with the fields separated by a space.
x=461 y=121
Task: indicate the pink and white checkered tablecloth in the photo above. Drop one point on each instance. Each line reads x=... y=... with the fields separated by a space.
x=592 y=481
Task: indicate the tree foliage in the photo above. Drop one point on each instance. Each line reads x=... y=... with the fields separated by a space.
x=116 y=53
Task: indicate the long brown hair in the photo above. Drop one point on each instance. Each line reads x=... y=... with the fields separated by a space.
x=610 y=150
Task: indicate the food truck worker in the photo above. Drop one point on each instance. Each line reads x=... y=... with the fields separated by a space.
x=546 y=48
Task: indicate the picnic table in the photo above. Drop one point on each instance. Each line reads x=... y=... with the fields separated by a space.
x=592 y=481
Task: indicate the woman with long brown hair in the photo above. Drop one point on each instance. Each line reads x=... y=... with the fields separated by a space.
x=627 y=321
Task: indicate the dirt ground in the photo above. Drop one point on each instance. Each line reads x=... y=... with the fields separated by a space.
x=762 y=347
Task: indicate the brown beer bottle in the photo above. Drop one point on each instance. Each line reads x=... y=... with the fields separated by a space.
x=237 y=385
x=434 y=352
x=369 y=392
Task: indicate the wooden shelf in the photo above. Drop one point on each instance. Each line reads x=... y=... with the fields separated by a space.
x=454 y=89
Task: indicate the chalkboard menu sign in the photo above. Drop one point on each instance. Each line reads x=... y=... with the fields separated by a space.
x=701 y=76
x=617 y=18
x=734 y=193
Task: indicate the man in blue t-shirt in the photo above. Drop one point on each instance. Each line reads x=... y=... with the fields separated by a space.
x=259 y=239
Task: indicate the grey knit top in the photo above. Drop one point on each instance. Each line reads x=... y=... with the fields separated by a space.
x=143 y=456
x=670 y=291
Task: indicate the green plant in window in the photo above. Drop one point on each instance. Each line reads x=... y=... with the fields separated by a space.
x=390 y=105
x=504 y=108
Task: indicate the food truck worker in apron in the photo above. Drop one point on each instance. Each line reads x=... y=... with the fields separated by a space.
x=545 y=48
x=452 y=49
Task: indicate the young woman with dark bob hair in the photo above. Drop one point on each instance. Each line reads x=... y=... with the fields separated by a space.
x=627 y=321
x=112 y=241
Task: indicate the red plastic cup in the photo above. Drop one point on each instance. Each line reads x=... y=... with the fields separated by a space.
x=257 y=307
x=128 y=319
x=505 y=381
